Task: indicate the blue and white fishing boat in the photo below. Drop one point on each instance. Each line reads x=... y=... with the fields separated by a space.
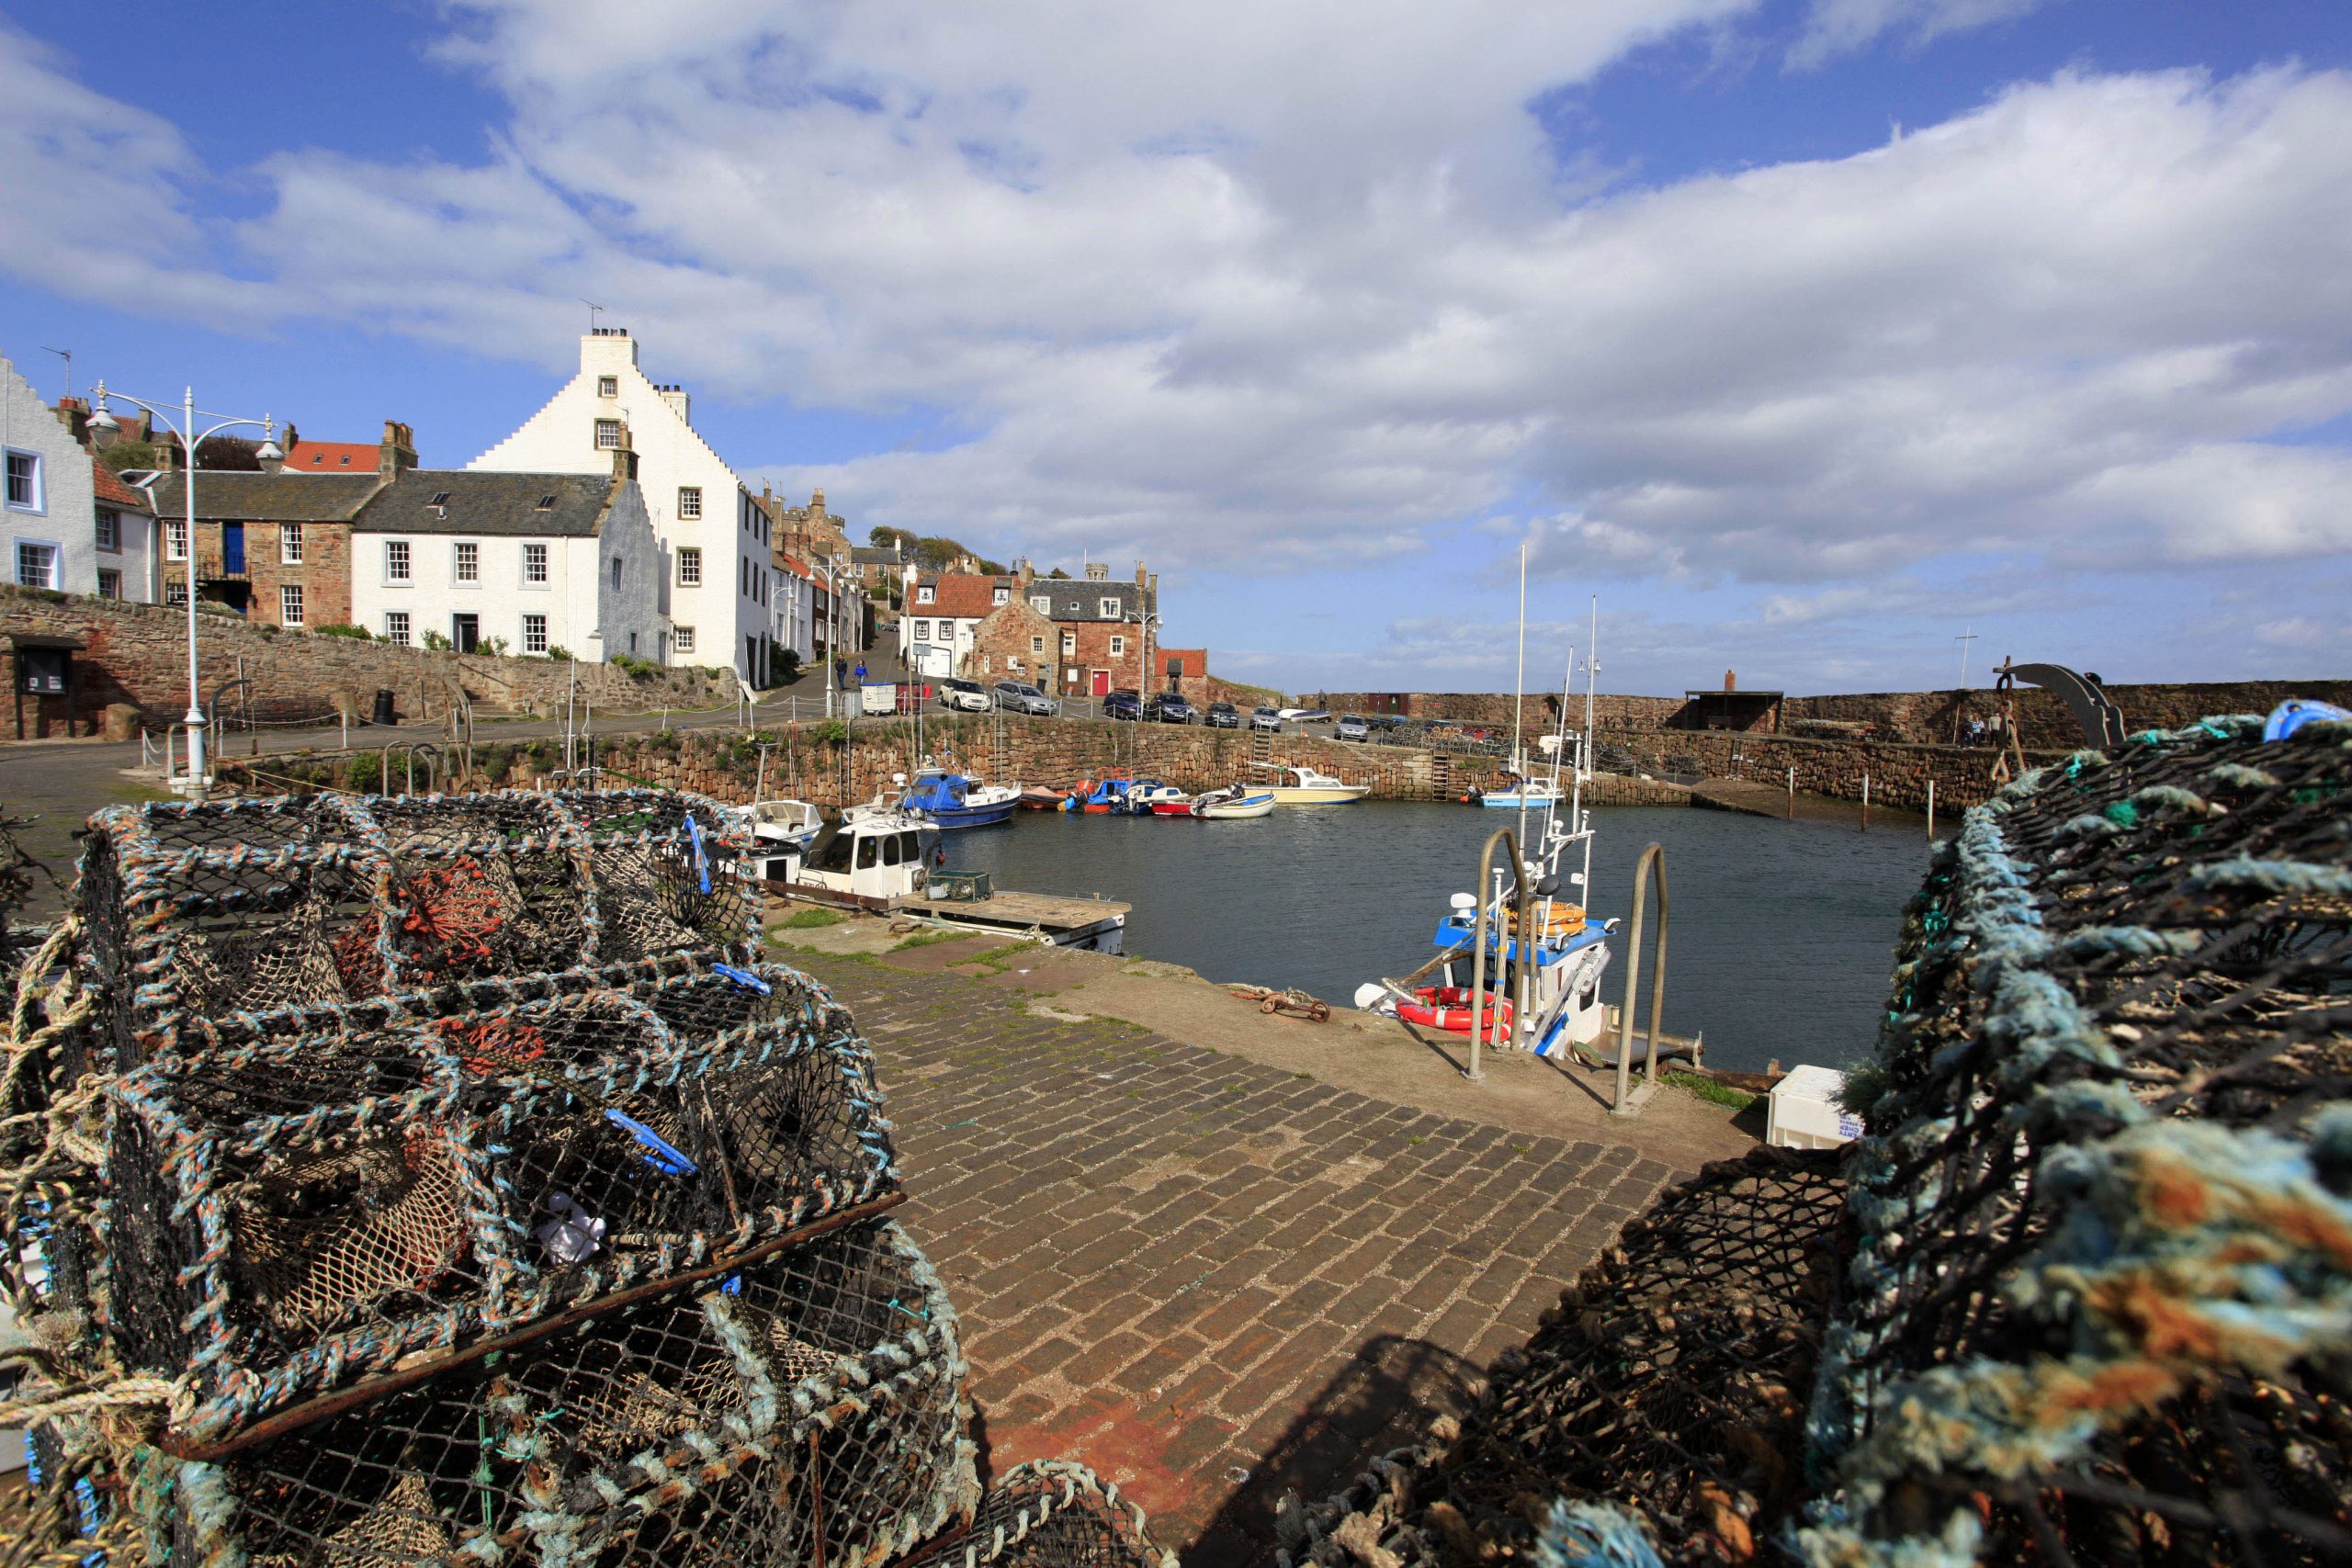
x=1542 y=983
x=947 y=800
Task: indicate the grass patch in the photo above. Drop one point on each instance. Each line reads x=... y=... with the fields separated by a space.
x=810 y=919
x=997 y=960
x=1711 y=1091
x=928 y=938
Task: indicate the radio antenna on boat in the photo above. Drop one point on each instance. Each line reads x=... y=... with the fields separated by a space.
x=1518 y=700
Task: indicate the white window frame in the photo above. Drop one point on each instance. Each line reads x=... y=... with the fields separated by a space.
x=1001 y=596
x=289 y=544
x=1070 y=643
x=176 y=593
x=110 y=577
x=108 y=529
x=1118 y=646
x=1042 y=604
x=922 y=631
x=289 y=604
x=926 y=594
x=36 y=485
x=1036 y=644
x=690 y=566
x=406 y=578
x=1108 y=608
x=397 y=627
x=682 y=639
x=608 y=385
x=465 y=574
x=56 y=573
x=524 y=642
x=176 y=538
x=690 y=503
x=608 y=428
x=541 y=579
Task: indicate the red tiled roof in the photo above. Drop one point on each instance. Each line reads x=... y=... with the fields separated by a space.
x=332 y=457
x=113 y=492
x=959 y=596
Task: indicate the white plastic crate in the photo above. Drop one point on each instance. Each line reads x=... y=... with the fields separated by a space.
x=1803 y=1113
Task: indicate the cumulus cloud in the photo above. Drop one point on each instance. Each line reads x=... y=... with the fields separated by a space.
x=1285 y=285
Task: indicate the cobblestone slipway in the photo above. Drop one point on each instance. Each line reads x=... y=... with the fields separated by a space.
x=1208 y=1277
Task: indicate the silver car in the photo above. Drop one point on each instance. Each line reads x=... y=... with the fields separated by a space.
x=1019 y=696
x=1270 y=720
x=1354 y=729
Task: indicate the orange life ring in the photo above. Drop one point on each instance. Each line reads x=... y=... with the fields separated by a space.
x=1447 y=1008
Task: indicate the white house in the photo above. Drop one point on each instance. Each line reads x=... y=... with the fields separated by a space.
x=544 y=563
x=718 y=580
x=123 y=525
x=942 y=615
x=46 y=507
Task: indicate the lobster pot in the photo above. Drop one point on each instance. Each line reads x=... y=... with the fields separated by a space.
x=1047 y=1514
x=197 y=912
x=2099 y=1202
x=297 y=1213
x=739 y=1424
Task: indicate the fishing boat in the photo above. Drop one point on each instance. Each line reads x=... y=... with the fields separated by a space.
x=952 y=800
x=774 y=825
x=1304 y=786
x=1544 y=954
x=1146 y=796
x=1233 y=801
x=869 y=853
x=1036 y=799
x=1097 y=796
x=1182 y=806
x=1522 y=790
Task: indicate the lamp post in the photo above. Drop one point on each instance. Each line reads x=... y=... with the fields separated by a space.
x=103 y=419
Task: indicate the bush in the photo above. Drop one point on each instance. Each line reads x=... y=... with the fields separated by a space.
x=832 y=732
x=339 y=629
x=436 y=642
x=787 y=667
x=364 y=772
x=496 y=647
x=558 y=653
x=636 y=668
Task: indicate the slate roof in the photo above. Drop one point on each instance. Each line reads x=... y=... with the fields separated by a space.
x=1078 y=600
x=232 y=497
x=333 y=458
x=112 y=492
x=487 y=504
x=877 y=555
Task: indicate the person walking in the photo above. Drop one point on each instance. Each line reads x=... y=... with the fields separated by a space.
x=861 y=672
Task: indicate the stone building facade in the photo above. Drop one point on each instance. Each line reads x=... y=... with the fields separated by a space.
x=1014 y=642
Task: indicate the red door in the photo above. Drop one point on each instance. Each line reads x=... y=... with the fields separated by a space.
x=1102 y=682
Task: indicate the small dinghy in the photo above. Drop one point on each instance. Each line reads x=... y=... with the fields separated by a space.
x=1234 y=801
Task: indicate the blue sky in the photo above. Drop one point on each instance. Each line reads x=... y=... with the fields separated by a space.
x=1805 y=335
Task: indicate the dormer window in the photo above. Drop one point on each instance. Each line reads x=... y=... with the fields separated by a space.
x=1001 y=596
x=1109 y=609
x=608 y=385
x=1042 y=604
x=440 y=498
x=547 y=503
x=926 y=594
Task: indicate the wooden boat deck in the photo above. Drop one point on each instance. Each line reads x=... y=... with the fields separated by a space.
x=1019 y=911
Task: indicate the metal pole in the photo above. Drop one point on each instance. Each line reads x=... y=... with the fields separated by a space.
x=1931 y=811
x=1793 y=794
x=1866 y=802
x=194 y=709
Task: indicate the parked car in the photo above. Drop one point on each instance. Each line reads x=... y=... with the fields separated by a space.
x=1020 y=697
x=1223 y=715
x=1351 y=728
x=1121 y=704
x=1168 y=708
x=963 y=695
x=1268 y=719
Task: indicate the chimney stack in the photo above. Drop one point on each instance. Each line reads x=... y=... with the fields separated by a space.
x=623 y=458
x=76 y=415
x=397 y=455
x=1731 y=682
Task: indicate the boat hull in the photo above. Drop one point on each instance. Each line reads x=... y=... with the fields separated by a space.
x=1513 y=801
x=1232 y=810
x=1318 y=794
x=1171 y=808
x=949 y=819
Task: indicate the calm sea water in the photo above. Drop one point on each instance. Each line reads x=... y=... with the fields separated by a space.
x=1783 y=931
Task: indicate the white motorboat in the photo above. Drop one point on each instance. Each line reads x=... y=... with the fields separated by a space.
x=870 y=853
x=776 y=828
x=1233 y=802
x=1305 y=786
x=1535 y=794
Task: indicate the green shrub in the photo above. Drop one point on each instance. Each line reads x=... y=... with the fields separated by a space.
x=558 y=653
x=787 y=667
x=496 y=647
x=832 y=732
x=635 y=668
x=340 y=628
x=364 y=772
x=436 y=642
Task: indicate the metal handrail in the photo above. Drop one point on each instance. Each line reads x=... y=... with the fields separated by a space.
x=1478 y=943
x=1650 y=868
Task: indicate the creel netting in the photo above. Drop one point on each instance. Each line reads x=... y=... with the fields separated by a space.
x=1047 y=1514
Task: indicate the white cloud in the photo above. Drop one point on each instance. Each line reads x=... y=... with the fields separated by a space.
x=1285 y=287
x=1841 y=27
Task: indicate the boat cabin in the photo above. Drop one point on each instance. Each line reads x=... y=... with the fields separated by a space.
x=871 y=855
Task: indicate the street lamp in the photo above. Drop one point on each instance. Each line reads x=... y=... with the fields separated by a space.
x=269 y=451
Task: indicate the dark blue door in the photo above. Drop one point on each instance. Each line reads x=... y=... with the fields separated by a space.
x=233 y=549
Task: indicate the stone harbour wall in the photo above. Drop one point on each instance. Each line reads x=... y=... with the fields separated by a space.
x=1898 y=773
x=137 y=654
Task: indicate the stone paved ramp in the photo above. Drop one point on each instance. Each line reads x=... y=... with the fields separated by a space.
x=1209 y=1279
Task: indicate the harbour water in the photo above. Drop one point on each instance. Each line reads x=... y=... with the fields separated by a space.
x=1783 y=931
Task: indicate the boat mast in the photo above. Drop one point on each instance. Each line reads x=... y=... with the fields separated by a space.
x=1518 y=699
x=1591 y=676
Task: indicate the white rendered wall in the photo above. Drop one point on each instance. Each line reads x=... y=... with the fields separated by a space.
x=61 y=514
x=561 y=439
